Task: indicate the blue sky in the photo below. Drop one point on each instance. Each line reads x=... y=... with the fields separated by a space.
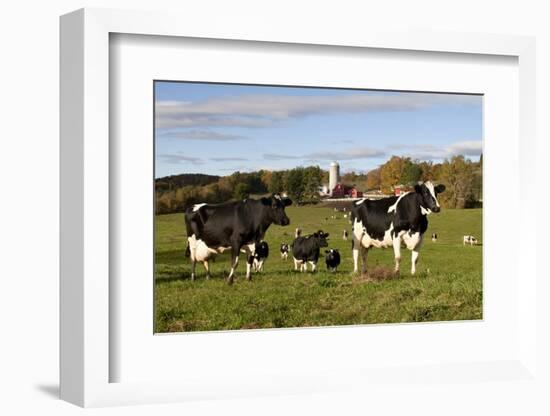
x=220 y=128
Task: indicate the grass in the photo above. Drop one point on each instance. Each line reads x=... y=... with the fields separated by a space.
x=447 y=285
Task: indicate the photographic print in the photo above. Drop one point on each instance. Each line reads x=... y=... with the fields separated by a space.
x=292 y=206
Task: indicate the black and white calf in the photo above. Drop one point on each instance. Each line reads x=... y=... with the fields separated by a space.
x=214 y=228
x=261 y=252
x=284 y=251
x=434 y=237
x=389 y=222
x=469 y=239
x=345 y=235
x=332 y=259
x=306 y=249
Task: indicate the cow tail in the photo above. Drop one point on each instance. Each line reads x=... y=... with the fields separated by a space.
x=187 y=251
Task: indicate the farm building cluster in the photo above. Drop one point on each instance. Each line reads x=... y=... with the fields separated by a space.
x=335 y=189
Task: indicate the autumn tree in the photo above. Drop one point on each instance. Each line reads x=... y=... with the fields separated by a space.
x=390 y=173
x=458 y=176
x=373 y=179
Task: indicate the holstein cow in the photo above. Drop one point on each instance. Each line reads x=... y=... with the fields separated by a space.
x=261 y=252
x=307 y=249
x=214 y=228
x=469 y=239
x=284 y=251
x=434 y=237
x=389 y=222
x=332 y=259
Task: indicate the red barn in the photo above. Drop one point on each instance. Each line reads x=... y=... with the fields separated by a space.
x=344 y=191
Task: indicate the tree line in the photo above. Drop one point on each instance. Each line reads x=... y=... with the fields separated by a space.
x=177 y=193
x=462 y=178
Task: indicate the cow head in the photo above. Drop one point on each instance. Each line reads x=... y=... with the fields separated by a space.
x=428 y=195
x=321 y=238
x=276 y=208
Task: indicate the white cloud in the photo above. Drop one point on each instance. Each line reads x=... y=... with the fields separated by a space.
x=195 y=134
x=264 y=110
x=414 y=151
x=228 y=159
x=466 y=148
x=177 y=159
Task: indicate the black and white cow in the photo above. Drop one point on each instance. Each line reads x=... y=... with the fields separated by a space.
x=389 y=222
x=469 y=239
x=345 y=235
x=215 y=228
x=284 y=251
x=307 y=249
x=261 y=252
x=332 y=259
x=434 y=237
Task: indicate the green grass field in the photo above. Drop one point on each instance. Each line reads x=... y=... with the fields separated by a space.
x=447 y=285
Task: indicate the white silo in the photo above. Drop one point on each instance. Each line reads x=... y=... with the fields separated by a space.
x=333 y=176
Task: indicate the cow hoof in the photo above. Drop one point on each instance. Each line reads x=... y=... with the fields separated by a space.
x=207 y=277
x=230 y=280
x=192 y=277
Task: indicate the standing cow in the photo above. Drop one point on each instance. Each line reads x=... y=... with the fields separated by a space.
x=389 y=222
x=307 y=249
x=214 y=228
x=261 y=252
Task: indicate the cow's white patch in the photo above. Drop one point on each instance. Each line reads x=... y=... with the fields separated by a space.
x=424 y=211
x=412 y=241
x=430 y=187
x=196 y=207
x=198 y=249
x=394 y=206
x=360 y=201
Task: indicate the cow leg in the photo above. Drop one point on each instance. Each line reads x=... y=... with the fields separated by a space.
x=207 y=268
x=313 y=266
x=364 y=255
x=397 y=252
x=355 y=253
x=415 y=254
x=193 y=266
x=250 y=264
x=295 y=264
x=234 y=264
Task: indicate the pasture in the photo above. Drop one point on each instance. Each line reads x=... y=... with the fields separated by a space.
x=447 y=285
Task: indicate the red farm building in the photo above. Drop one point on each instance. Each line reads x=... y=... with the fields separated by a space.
x=344 y=191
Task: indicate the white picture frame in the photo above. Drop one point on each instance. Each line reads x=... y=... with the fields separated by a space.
x=86 y=356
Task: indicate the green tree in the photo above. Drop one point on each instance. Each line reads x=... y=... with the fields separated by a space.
x=312 y=179
x=410 y=172
x=277 y=184
x=242 y=190
x=295 y=183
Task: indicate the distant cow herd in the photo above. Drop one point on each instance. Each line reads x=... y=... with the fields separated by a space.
x=240 y=227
